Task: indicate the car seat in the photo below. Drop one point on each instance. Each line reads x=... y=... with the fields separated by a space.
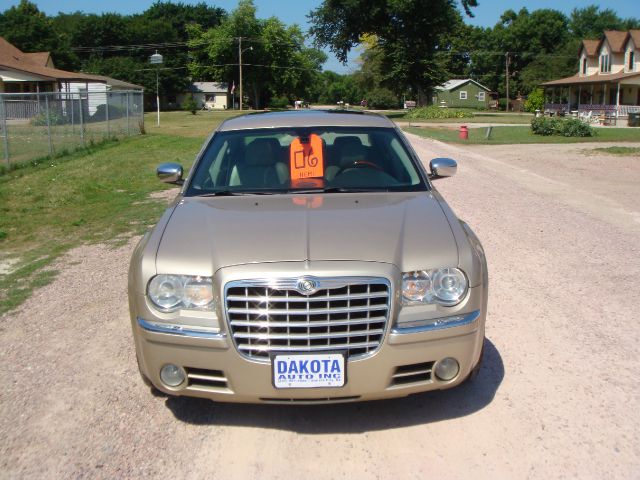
x=260 y=166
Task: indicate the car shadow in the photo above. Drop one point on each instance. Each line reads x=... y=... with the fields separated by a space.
x=417 y=409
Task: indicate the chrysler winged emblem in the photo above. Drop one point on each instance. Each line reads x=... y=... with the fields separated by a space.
x=307 y=286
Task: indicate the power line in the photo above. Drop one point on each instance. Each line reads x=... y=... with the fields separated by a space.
x=181 y=44
x=195 y=44
x=231 y=65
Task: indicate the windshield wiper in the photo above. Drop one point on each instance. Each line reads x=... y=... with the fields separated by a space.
x=339 y=190
x=234 y=193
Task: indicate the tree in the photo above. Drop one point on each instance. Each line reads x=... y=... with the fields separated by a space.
x=179 y=15
x=275 y=60
x=409 y=34
x=334 y=87
x=30 y=30
x=27 y=28
x=535 y=101
x=544 y=67
x=590 y=22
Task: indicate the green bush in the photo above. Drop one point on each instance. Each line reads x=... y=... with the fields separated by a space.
x=564 y=127
x=54 y=119
x=573 y=127
x=535 y=101
x=433 y=111
x=100 y=115
x=382 y=99
x=190 y=105
x=279 y=103
x=544 y=126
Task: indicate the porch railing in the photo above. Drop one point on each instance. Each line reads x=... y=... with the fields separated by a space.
x=596 y=109
x=625 y=110
x=21 y=109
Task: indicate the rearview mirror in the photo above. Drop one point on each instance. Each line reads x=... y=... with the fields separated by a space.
x=170 y=173
x=442 y=167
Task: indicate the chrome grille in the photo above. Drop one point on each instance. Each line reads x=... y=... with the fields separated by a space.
x=343 y=314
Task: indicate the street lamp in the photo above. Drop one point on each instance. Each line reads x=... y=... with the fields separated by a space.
x=156 y=59
x=240 y=51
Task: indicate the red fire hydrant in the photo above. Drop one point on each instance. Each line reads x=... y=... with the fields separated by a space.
x=464 y=132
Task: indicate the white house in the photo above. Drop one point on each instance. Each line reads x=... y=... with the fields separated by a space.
x=29 y=73
x=608 y=78
x=208 y=95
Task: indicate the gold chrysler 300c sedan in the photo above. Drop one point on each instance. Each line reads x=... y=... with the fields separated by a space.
x=308 y=259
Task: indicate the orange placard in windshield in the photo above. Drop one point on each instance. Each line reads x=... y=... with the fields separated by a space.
x=306 y=159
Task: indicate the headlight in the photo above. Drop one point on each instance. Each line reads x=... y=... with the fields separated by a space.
x=172 y=292
x=444 y=286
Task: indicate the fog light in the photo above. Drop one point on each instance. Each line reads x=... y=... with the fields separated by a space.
x=447 y=369
x=172 y=375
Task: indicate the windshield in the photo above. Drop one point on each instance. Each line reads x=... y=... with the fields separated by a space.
x=308 y=159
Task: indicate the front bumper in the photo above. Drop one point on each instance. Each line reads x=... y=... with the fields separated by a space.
x=403 y=365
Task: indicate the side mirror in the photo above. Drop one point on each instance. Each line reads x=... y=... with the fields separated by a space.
x=442 y=167
x=170 y=173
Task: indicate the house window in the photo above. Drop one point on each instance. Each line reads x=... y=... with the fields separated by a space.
x=481 y=96
x=631 y=61
x=463 y=95
x=605 y=65
x=584 y=66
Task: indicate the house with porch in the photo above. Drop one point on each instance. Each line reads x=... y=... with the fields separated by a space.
x=607 y=82
x=24 y=74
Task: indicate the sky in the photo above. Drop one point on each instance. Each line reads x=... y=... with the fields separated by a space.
x=486 y=14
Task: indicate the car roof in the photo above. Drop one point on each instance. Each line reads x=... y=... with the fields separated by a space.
x=306 y=118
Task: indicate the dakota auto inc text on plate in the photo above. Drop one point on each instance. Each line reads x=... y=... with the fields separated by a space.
x=309 y=370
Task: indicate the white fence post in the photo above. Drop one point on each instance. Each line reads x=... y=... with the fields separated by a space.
x=128 y=130
x=5 y=133
x=81 y=119
x=46 y=109
x=107 y=115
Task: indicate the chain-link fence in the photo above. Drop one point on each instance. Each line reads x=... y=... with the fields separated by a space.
x=34 y=125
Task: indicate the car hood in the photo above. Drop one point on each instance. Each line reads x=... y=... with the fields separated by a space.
x=408 y=230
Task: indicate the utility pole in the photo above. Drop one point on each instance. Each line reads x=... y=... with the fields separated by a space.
x=507 y=62
x=240 y=61
x=240 y=51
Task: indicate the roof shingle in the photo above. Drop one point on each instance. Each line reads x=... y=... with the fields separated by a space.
x=591 y=47
x=616 y=39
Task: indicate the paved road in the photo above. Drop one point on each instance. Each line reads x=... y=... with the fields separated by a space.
x=557 y=396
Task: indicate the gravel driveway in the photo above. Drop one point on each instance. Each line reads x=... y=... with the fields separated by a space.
x=558 y=395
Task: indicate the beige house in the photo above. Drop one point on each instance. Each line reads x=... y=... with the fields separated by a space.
x=608 y=79
x=208 y=95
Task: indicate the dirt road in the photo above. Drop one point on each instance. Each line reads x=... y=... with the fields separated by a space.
x=558 y=395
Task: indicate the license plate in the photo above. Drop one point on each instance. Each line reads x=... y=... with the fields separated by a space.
x=309 y=370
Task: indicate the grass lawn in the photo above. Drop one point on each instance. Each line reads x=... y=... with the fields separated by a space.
x=184 y=124
x=630 y=151
x=28 y=142
x=522 y=134
x=96 y=195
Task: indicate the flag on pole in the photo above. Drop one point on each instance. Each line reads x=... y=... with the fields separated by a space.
x=233 y=87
